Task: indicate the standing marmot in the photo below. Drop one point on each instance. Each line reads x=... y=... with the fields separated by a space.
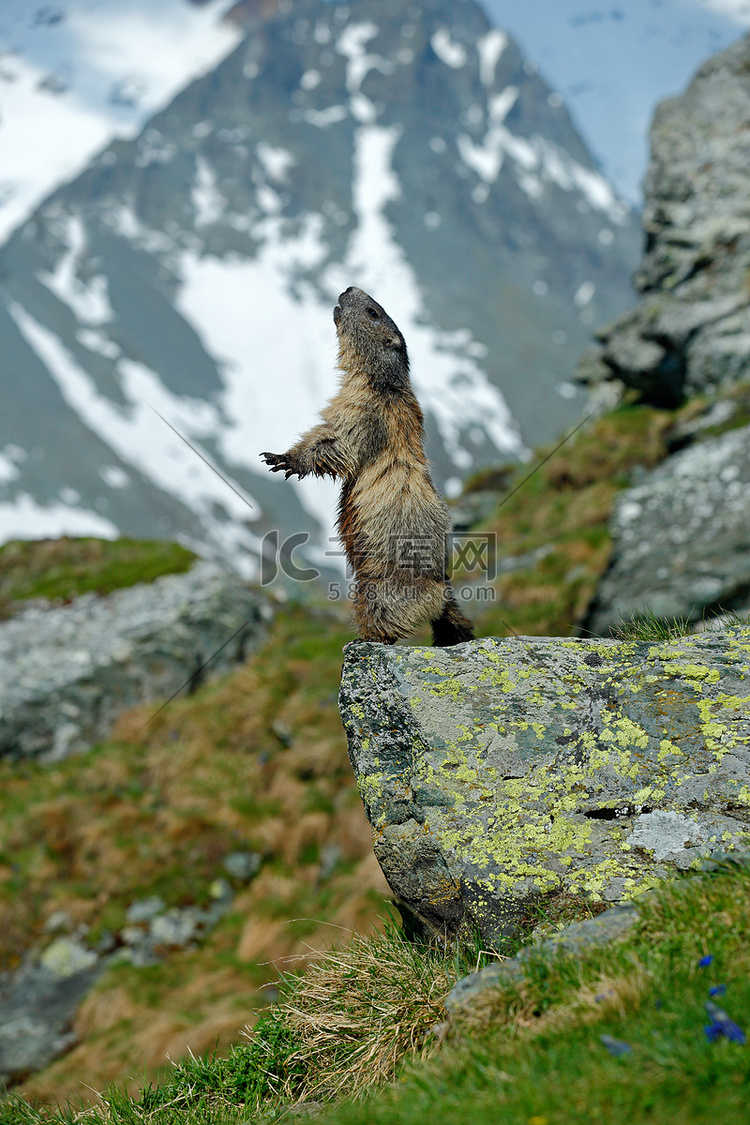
x=393 y=524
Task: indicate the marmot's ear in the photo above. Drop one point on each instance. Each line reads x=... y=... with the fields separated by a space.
x=394 y=342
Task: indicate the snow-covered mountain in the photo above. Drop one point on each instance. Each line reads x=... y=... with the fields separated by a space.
x=186 y=278
x=75 y=73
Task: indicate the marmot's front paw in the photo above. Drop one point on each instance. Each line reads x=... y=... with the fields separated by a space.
x=279 y=463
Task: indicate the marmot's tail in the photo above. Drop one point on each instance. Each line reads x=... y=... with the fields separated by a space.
x=451 y=627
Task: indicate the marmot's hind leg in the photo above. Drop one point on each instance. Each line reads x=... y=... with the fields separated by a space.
x=385 y=611
x=451 y=627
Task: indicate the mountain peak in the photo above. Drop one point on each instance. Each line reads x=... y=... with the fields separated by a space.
x=192 y=270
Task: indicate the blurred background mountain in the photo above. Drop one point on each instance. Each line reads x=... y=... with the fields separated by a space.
x=186 y=188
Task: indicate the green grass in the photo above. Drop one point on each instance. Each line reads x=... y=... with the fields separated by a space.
x=646 y=626
x=61 y=569
x=562 y=502
x=529 y=1051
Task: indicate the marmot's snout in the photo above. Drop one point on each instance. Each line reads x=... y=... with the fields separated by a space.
x=351 y=298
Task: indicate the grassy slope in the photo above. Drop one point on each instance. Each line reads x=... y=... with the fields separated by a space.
x=254 y=761
x=534 y=1054
x=531 y=1052
x=564 y=506
x=258 y=761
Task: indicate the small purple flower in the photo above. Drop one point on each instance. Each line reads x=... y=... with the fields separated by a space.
x=717 y=990
x=615 y=1047
x=705 y=961
x=721 y=1024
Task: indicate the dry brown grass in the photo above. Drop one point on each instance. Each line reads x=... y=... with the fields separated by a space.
x=360 y=1010
x=155 y=811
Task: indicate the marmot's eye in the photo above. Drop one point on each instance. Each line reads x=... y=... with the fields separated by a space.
x=372 y=313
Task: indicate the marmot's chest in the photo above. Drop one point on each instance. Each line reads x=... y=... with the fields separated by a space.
x=378 y=433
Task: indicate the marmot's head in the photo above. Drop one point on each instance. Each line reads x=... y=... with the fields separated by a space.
x=369 y=341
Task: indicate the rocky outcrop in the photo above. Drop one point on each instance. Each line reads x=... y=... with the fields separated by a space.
x=681 y=546
x=691 y=331
x=69 y=671
x=500 y=771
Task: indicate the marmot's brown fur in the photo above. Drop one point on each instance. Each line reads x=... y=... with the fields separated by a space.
x=393 y=524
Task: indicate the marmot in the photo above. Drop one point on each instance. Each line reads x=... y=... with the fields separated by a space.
x=393 y=524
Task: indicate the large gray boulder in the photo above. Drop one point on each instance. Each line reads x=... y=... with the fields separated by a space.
x=498 y=772
x=691 y=331
x=69 y=671
x=681 y=539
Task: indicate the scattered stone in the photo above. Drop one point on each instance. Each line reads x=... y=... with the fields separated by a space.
x=176 y=928
x=145 y=910
x=243 y=865
x=330 y=858
x=472 y=507
x=58 y=920
x=282 y=732
x=613 y=925
x=66 y=957
x=37 y=1006
x=39 y=1001
x=498 y=771
x=220 y=890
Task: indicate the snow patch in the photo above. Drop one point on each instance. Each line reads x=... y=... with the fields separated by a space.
x=258 y=362
x=276 y=162
x=120 y=62
x=486 y=160
x=537 y=160
x=322 y=118
x=97 y=342
x=561 y=169
x=152 y=149
x=501 y=104
x=208 y=202
x=114 y=476
x=8 y=469
x=88 y=300
x=24 y=518
x=531 y=185
x=447 y=378
x=351 y=44
x=490 y=47
x=449 y=52
x=140 y=438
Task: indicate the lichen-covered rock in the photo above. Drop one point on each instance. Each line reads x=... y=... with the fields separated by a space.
x=690 y=333
x=69 y=671
x=499 y=771
x=681 y=546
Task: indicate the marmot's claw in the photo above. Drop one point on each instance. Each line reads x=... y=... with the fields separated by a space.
x=277 y=463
